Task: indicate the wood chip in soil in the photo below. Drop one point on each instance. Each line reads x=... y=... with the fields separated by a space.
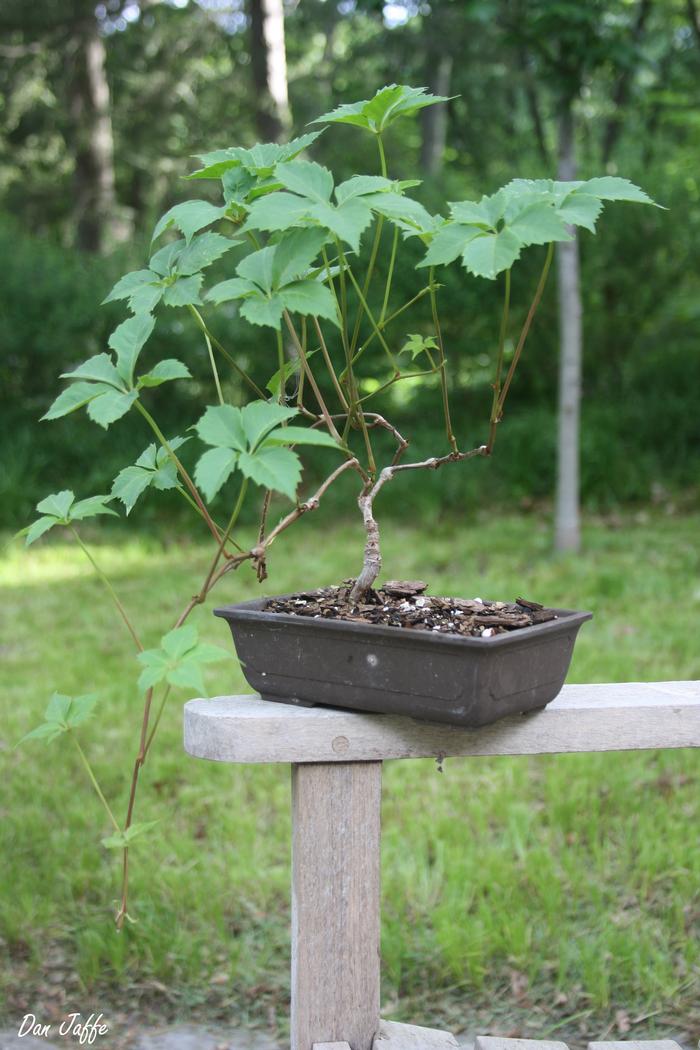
x=404 y=604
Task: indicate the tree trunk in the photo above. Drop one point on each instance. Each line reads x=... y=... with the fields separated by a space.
x=434 y=118
x=269 y=65
x=94 y=207
x=567 y=514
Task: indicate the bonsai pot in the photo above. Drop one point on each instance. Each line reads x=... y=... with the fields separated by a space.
x=465 y=681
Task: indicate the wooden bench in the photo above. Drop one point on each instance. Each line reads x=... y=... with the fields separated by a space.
x=336 y=758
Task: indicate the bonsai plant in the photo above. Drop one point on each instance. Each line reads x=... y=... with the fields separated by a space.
x=300 y=277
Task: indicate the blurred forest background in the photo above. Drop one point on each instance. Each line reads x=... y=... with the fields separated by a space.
x=102 y=109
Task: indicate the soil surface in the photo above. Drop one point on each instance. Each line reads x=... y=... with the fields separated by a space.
x=403 y=603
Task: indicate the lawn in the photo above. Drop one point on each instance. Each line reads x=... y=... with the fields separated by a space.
x=556 y=894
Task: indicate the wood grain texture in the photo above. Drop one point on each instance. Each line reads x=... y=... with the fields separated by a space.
x=395 y=1036
x=623 y=717
x=487 y=1042
x=335 y=903
x=331 y=1046
x=636 y=1044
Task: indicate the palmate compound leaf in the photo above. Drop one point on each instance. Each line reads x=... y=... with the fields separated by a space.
x=179 y=660
x=189 y=217
x=259 y=161
x=377 y=113
x=154 y=468
x=62 y=714
x=125 y=839
x=60 y=508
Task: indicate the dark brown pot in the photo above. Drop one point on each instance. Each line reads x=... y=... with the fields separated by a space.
x=438 y=677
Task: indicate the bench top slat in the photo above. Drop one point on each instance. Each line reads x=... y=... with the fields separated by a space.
x=618 y=717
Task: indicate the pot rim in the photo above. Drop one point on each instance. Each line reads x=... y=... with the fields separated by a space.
x=251 y=611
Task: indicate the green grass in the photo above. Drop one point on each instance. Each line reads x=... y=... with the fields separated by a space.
x=551 y=892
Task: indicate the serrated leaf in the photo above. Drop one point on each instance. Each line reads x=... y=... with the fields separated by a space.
x=581 y=209
x=109 y=407
x=309 y=297
x=100 y=369
x=203 y=250
x=486 y=212
x=300 y=436
x=74 y=397
x=258 y=268
x=189 y=217
x=361 y=185
x=179 y=641
x=57 y=504
x=184 y=292
x=81 y=708
x=278 y=469
x=47 y=731
x=37 y=529
x=146 y=298
x=187 y=676
x=258 y=418
x=127 y=340
x=448 y=244
x=295 y=252
x=262 y=310
x=222 y=426
x=395 y=206
x=260 y=160
x=164 y=261
x=165 y=371
x=213 y=470
x=306 y=178
x=383 y=109
x=417 y=344
x=90 y=508
x=151 y=676
x=124 y=839
x=225 y=291
x=129 y=484
x=612 y=188
x=538 y=224
x=275 y=212
x=347 y=221
x=58 y=708
x=128 y=284
x=490 y=253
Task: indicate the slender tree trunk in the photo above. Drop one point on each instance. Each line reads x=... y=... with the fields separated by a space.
x=269 y=65
x=93 y=179
x=567 y=514
x=434 y=118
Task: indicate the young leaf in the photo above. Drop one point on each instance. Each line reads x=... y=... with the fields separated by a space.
x=124 y=839
x=107 y=408
x=383 y=109
x=179 y=659
x=62 y=714
x=417 y=344
x=306 y=178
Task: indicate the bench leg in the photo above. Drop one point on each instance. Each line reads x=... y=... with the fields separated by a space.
x=335 y=903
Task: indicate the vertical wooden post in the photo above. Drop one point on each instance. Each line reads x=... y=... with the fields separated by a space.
x=335 y=903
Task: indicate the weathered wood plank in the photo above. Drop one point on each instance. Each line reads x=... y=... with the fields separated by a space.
x=488 y=1042
x=636 y=1044
x=331 y=1046
x=335 y=903
x=621 y=717
x=393 y=1035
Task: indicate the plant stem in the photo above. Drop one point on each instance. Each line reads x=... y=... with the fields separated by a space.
x=113 y=594
x=526 y=328
x=499 y=362
x=387 y=287
x=196 y=314
x=382 y=156
x=312 y=381
x=329 y=365
x=452 y=441
x=222 y=350
x=156 y=721
x=93 y=780
x=373 y=322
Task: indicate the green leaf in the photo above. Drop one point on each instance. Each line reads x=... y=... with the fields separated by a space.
x=37 y=529
x=124 y=839
x=164 y=262
x=361 y=185
x=258 y=268
x=300 y=436
x=127 y=340
x=395 y=206
x=129 y=484
x=580 y=209
x=263 y=310
x=538 y=224
x=47 y=731
x=295 y=253
x=234 y=288
x=490 y=253
x=612 y=188
x=260 y=160
x=258 y=418
x=58 y=504
x=348 y=221
x=90 y=508
x=152 y=675
x=202 y=251
x=184 y=292
x=74 y=397
x=98 y=368
x=188 y=676
x=417 y=344
x=222 y=426
x=306 y=178
x=179 y=641
x=189 y=217
x=309 y=297
x=273 y=468
x=109 y=407
x=383 y=109
x=278 y=211
x=291 y=367
x=487 y=212
x=213 y=470
x=146 y=298
x=128 y=284
x=58 y=708
x=164 y=371
x=448 y=243
x=81 y=708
